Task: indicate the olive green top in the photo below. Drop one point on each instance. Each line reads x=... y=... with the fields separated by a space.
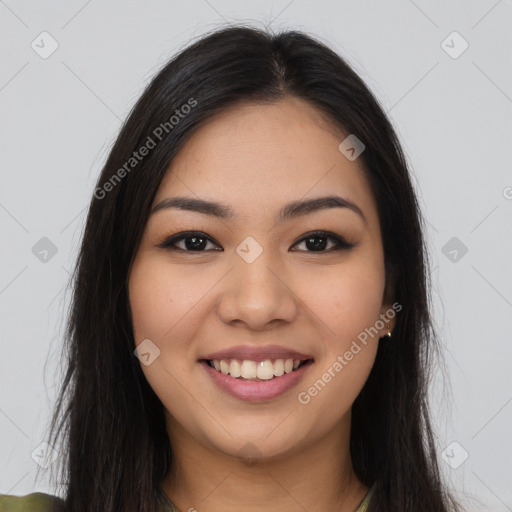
x=41 y=502
x=34 y=502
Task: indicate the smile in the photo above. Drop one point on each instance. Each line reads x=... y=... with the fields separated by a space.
x=256 y=370
x=255 y=381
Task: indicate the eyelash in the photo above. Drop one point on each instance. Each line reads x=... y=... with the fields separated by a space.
x=341 y=243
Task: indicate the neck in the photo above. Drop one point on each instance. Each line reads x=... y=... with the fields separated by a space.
x=317 y=478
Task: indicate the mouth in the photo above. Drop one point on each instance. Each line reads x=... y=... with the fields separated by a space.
x=256 y=373
x=256 y=370
x=253 y=380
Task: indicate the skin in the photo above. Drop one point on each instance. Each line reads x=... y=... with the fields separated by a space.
x=257 y=158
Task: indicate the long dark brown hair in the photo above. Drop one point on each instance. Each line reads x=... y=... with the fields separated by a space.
x=108 y=423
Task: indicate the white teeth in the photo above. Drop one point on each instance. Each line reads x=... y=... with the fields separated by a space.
x=248 y=370
x=263 y=370
x=224 y=368
x=235 y=368
x=278 y=367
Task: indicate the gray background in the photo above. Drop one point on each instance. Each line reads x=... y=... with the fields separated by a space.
x=60 y=115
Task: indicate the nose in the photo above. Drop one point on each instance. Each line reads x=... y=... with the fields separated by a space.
x=257 y=294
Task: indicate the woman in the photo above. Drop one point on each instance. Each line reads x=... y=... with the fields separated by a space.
x=250 y=326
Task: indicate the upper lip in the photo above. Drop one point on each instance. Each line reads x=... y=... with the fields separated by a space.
x=259 y=353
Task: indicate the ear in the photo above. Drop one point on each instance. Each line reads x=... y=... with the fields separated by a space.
x=390 y=307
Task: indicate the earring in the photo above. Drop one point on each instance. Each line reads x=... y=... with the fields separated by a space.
x=389 y=332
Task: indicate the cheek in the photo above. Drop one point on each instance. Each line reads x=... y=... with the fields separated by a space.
x=348 y=299
x=149 y=302
x=158 y=315
x=347 y=304
x=154 y=291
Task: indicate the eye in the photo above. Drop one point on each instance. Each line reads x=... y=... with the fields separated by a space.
x=197 y=241
x=311 y=240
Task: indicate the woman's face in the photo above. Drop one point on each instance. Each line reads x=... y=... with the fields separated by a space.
x=254 y=290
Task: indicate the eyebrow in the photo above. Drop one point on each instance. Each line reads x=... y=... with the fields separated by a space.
x=289 y=211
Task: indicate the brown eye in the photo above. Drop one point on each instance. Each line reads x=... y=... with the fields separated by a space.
x=318 y=240
x=194 y=241
x=197 y=241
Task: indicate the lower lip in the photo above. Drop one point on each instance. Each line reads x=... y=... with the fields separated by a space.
x=256 y=391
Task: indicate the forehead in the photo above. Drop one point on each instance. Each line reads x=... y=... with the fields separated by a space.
x=254 y=154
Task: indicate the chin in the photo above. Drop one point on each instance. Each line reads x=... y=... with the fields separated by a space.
x=250 y=447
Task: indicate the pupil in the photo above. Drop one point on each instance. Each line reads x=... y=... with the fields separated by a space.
x=191 y=242
x=321 y=245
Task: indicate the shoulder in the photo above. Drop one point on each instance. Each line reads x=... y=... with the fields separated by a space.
x=34 y=502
